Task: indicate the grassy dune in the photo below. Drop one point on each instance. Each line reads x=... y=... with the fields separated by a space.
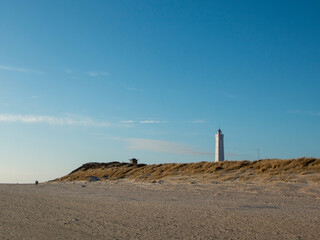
x=301 y=169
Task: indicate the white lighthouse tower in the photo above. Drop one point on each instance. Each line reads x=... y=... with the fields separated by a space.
x=219 y=147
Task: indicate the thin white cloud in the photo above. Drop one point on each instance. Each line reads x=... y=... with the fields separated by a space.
x=133 y=89
x=131 y=122
x=69 y=71
x=104 y=135
x=71 y=74
x=128 y=121
x=198 y=121
x=150 y=121
x=311 y=113
x=15 y=69
x=162 y=146
x=12 y=118
x=97 y=74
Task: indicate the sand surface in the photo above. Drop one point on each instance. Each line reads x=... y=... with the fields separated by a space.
x=128 y=210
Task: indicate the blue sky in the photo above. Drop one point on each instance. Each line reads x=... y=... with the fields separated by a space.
x=84 y=81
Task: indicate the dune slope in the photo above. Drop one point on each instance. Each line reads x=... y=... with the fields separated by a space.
x=302 y=169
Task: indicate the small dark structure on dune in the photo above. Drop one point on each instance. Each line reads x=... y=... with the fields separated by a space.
x=134 y=161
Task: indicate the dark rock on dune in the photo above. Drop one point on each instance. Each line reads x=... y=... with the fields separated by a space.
x=93 y=178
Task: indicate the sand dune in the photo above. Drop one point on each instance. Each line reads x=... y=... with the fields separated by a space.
x=290 y=170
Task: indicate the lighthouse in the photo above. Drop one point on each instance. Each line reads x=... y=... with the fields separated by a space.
x=219 y=147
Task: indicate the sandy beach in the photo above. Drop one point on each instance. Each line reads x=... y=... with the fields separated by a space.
x=129 y=210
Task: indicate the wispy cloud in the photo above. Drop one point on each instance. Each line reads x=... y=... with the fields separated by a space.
x=133 y=89
x=98 y=134
x=97 y=74
x=52 y=120
x=162 y=146
x=311 y=113
x=149 y=121
x=69 y=71
x=16 y=69
x=198 y=121
x=128 y=121
x=71 y=74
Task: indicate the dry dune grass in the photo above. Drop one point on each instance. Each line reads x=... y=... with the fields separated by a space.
x=301 y=169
